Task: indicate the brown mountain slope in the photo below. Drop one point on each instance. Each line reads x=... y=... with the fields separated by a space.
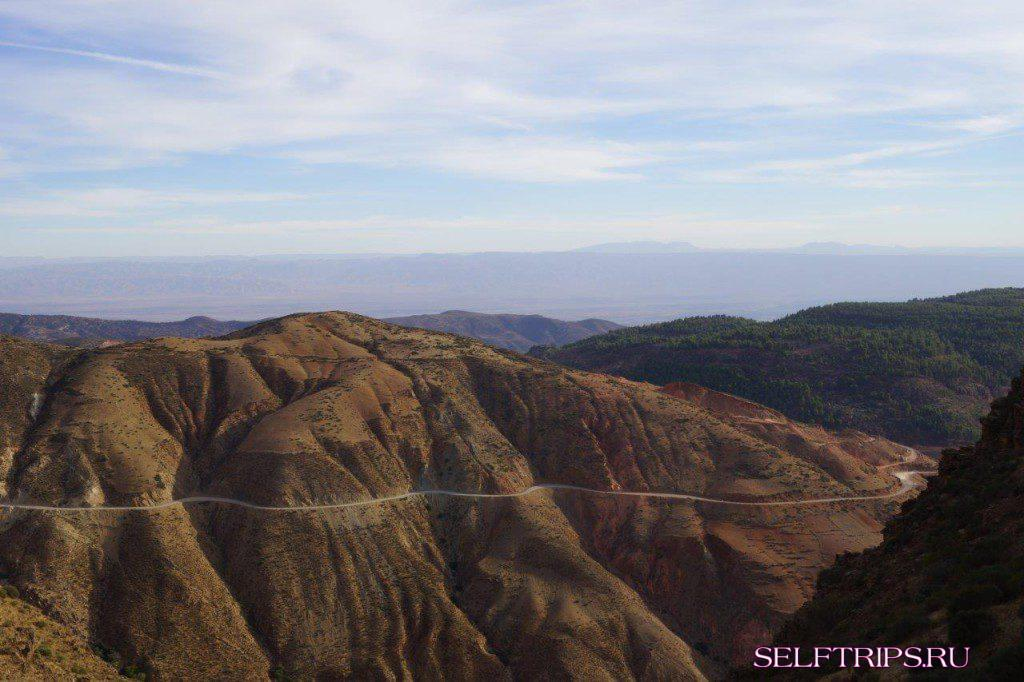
x=951 y=567
x=515 y=332
x=336 y=407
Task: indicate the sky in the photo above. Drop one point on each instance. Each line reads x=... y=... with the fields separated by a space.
x=300 y=126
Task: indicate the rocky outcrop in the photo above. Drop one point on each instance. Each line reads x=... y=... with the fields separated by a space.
x=333 y=407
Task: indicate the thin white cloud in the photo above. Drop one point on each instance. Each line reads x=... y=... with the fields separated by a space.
x=118 y=59
x=860 y=158
x=862 y=178
x=519 y=158
x=862 y=168
x=989 y=125
x=543 y=160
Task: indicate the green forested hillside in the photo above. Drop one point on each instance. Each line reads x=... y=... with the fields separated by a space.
x=922 y=371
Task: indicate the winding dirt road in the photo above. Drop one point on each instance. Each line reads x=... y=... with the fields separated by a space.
x=908 y=481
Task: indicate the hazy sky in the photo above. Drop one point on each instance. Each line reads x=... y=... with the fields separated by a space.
x=299 y=126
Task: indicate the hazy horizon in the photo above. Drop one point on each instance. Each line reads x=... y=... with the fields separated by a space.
x=625 y=287
x=636 y=247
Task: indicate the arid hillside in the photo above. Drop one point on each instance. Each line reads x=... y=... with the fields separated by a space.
x=336 y=408
x=951 y=568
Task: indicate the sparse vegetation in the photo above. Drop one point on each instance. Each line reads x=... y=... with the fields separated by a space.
x=33 y=647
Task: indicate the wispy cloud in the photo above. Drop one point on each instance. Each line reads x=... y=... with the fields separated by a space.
x=446 y=107
x=517 y=157
x=990 y=125
x=118 y=59
x=284 y=74
x=865 y=168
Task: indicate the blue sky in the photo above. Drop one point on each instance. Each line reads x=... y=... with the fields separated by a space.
x=213 y=127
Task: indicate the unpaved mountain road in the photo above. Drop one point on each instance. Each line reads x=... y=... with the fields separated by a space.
x=908 y=481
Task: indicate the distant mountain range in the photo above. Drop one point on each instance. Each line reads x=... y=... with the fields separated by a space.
x=921 y=372
x=515 y=332
x=813 y=248
x=630 y=284
x=833 y=248
x=71 y=330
